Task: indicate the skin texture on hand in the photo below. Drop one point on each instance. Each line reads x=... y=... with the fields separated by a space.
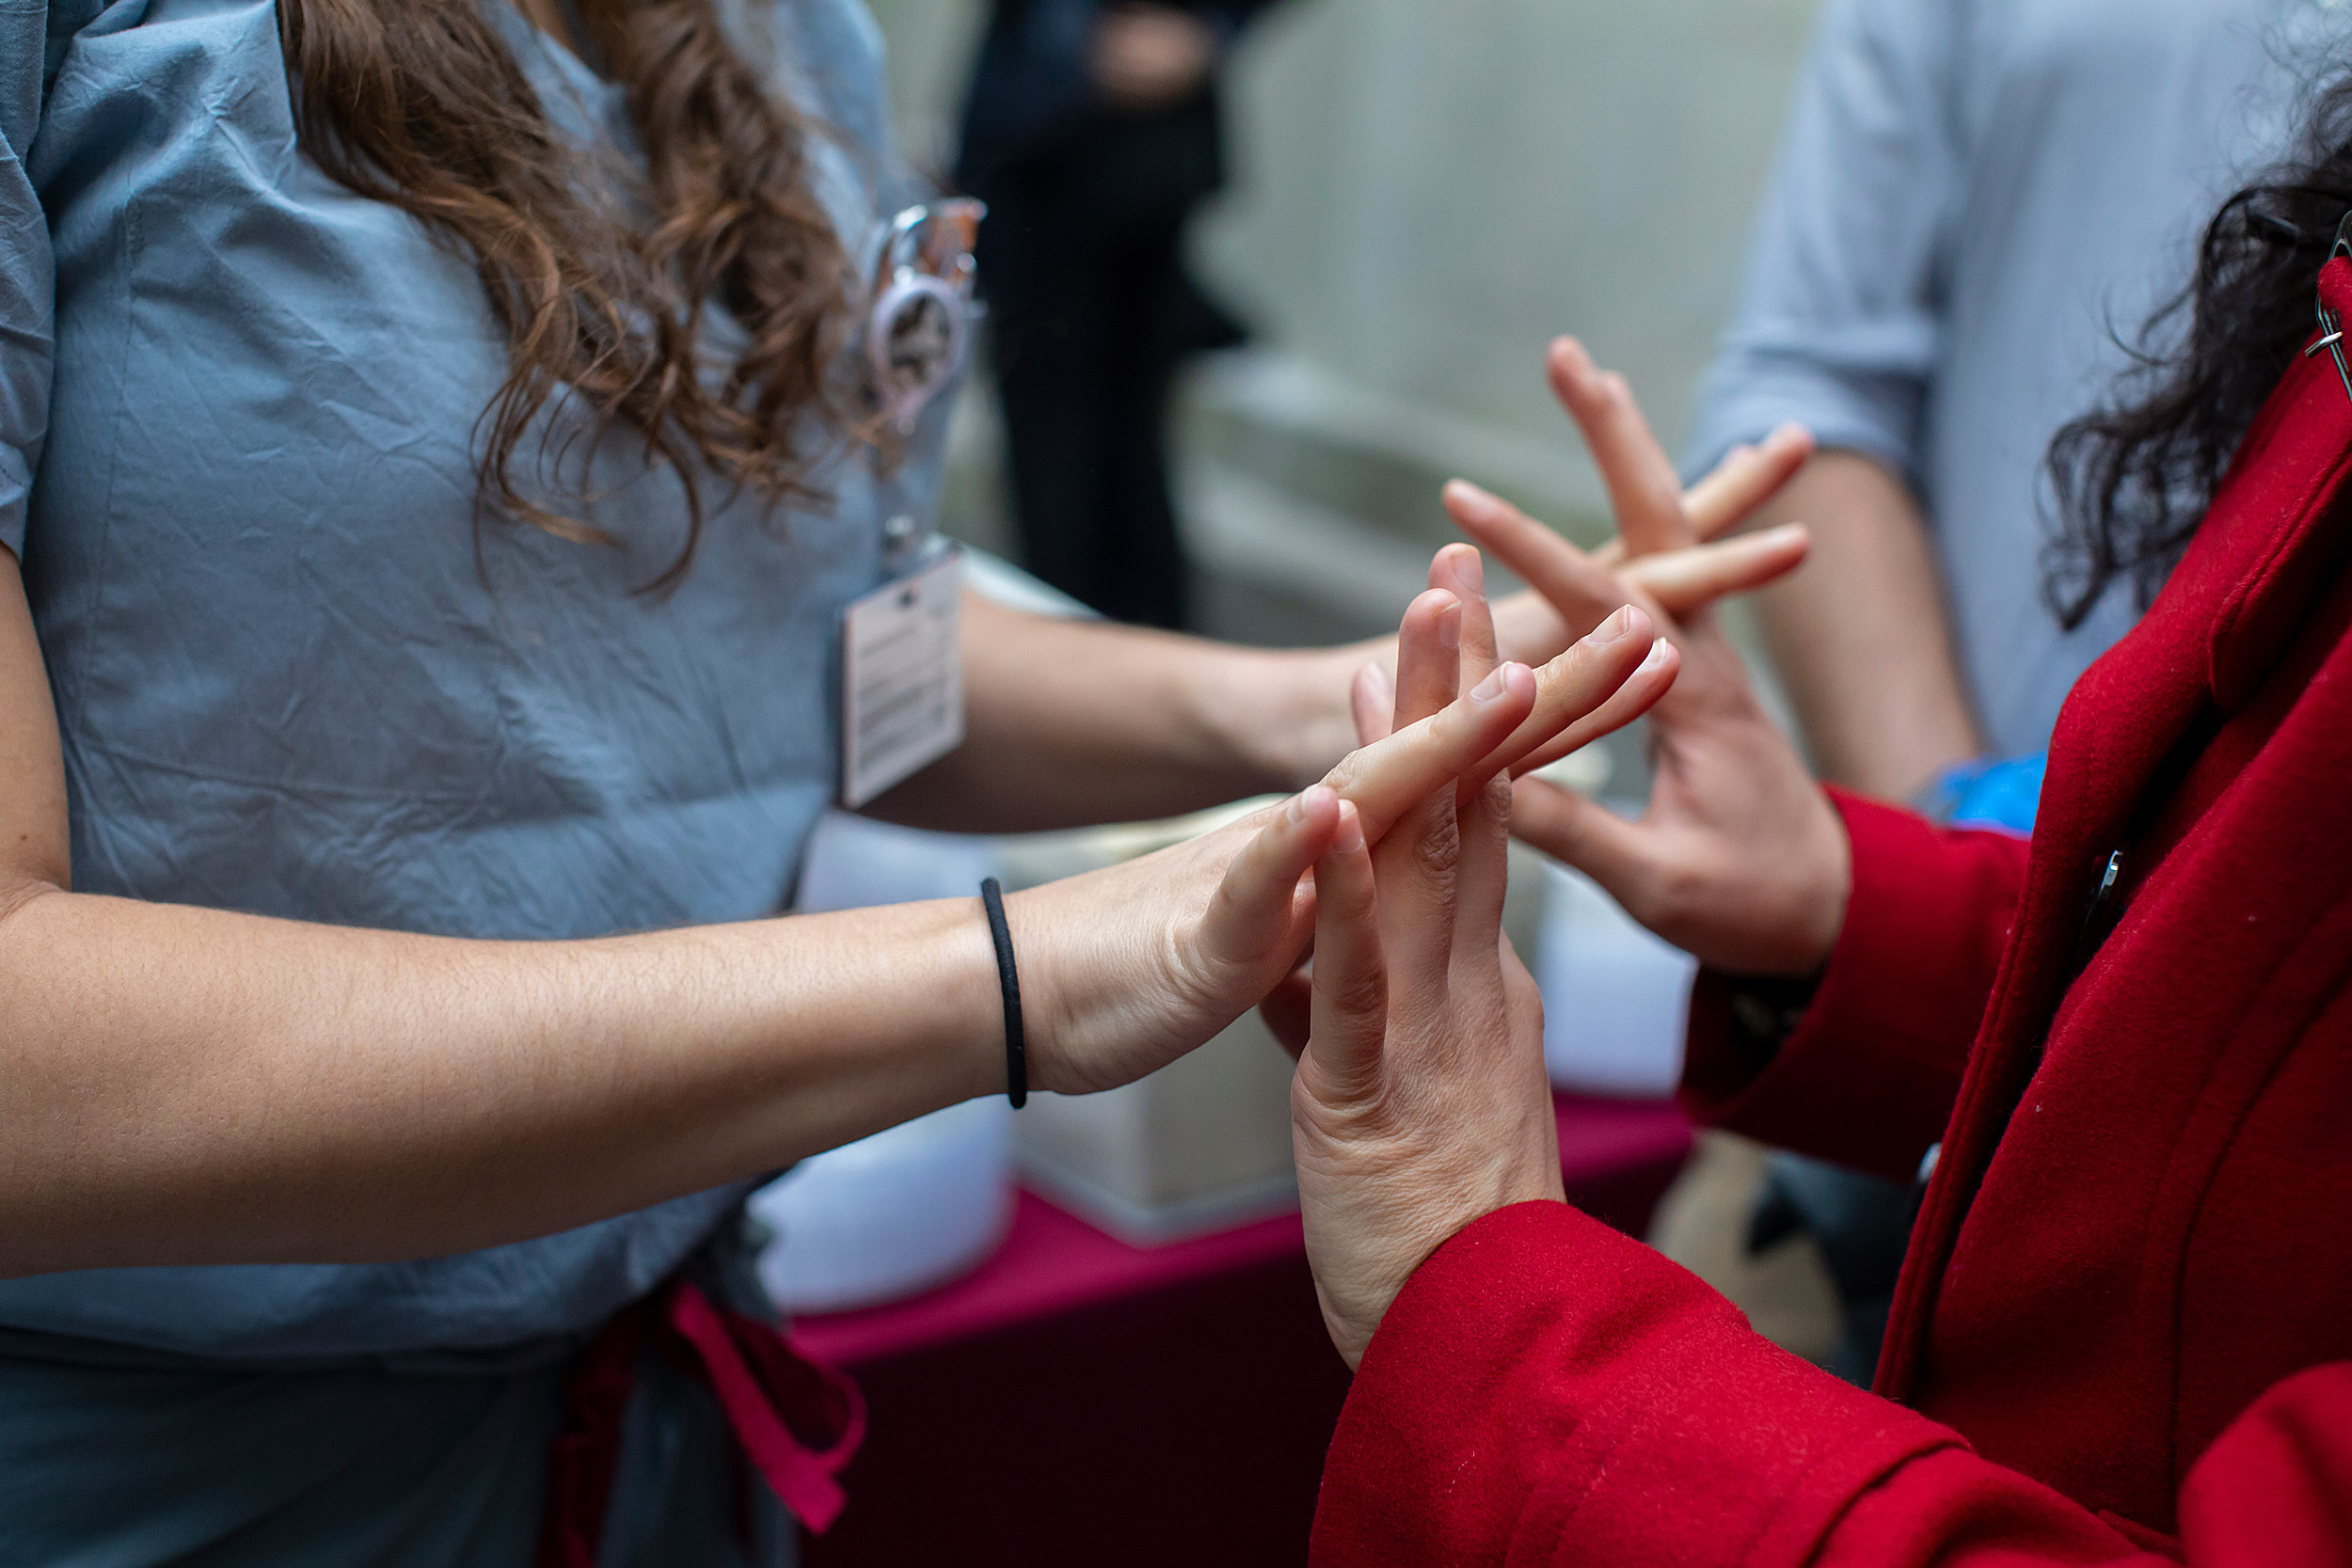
x=1421 y=1100
x=1739 y=858
x=1130 y=966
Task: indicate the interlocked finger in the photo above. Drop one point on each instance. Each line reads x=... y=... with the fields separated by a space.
x=1458 y=569
x=1428 y=657
x=1387 y=777
x=1644 y=489
x=1745 y=480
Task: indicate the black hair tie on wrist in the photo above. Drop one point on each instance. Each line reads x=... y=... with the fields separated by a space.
x=1016 y=1042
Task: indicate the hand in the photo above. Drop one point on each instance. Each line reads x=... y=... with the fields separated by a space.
x=1128 y=968
x=1448 y=641
x=1739 y=858
x=1664 y=540
x=1144 y=57
x=1420 y=1101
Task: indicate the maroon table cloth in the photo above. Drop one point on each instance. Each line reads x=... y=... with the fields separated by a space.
x=1079 y=1400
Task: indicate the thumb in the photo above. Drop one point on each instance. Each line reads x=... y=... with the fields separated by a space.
x=1597 y=841
x=1349 y=1018
x=1256 y=908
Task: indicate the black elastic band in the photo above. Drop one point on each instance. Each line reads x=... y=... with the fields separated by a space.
x=1016 y=1042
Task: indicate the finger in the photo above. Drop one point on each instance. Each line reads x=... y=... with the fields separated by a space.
x=1459 y=570
x=1255 y=908
x=1521 y=993
x=1687 y=582
x=1349 y=1014
x=1597 y=841
x=1428 y=656
x=1644 y=489
x=1372 y=702
x=1288 y=1011
x=1483 y=828
x=1578 y=587
x=1387 y=777
x=1652 y=680
x=1745 y=480
x=1573 y=687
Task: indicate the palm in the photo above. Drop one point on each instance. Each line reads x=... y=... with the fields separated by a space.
x=1737 y=858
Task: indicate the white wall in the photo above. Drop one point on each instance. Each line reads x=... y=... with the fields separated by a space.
x=1431 y=188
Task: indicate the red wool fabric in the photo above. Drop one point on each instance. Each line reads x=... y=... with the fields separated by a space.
x=2124 y=1332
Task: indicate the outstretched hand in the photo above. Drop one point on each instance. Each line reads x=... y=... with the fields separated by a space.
x=1676 y=548
x=1420 y=1101
x=1739 y=858
x=1138 y=963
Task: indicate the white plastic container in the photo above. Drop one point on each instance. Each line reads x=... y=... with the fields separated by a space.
x=890 y=1215
x=1617 y=999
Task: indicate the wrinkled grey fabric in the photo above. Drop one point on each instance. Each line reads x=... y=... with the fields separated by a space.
x=1971 y=198
x=297 y=675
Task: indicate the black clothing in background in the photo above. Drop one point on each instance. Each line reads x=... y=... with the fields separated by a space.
x=1090 y=308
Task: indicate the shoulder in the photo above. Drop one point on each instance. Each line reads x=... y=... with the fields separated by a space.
x=833 y=51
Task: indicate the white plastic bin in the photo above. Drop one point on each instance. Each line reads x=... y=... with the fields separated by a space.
x=1617 y=999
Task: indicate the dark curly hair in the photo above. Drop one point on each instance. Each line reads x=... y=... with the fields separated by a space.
x=2133 y=481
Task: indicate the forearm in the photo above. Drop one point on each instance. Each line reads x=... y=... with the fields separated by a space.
x=1548 y=1391
x=1069 y=722
x=188 y=1085
x=1860 y=635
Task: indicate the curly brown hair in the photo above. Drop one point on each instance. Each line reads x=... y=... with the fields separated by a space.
x=602 y=274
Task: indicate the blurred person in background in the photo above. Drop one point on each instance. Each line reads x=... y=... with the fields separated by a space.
x=1092 y=132
x=1971 y=205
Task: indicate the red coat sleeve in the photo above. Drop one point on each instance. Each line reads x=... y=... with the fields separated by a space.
x=1869 y=1077
x=1545 y=1391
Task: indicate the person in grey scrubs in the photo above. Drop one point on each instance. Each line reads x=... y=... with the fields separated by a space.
x=389 y=834
x=1975 y=208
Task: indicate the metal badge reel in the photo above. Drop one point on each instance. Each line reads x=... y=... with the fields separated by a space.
x=920 y=329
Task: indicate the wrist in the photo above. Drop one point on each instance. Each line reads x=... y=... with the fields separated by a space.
x=1053 y=982
x=957 y=961
x=1282 y=714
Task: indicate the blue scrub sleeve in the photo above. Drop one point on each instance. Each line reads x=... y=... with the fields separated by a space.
x=27 y=271
x=1840 y=313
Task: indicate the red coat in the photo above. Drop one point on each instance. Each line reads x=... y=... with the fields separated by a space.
x=2125 y=1322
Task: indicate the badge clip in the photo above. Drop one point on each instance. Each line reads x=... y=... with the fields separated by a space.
x=920 y=328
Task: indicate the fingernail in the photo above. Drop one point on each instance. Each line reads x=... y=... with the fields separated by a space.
x=1382 y=685
x=1491 y=687
x=1461 y=492
x=1351 y=834
x=1612 y=629
x=1656 y=658
x=1449 y=628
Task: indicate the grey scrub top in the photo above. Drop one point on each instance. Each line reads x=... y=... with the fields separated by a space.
x=1972 y=197
x=237 y=413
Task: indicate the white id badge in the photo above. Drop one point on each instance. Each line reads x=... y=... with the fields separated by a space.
x=902 y=678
